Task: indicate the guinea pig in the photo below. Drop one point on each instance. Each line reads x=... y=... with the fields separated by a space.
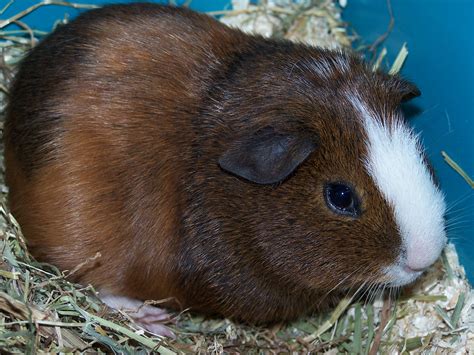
x=237 y=175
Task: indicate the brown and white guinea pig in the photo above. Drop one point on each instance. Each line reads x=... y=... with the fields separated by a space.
x=239 y=175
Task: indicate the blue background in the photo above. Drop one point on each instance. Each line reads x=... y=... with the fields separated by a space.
x=440 y=38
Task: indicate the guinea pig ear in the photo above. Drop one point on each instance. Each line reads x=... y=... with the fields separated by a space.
x=408 y=91
x=266 y=156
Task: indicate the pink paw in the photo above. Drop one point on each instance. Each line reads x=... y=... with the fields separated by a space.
x=146 y=316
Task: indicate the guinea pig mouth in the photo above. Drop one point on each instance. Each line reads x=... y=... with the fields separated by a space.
x=399 y=275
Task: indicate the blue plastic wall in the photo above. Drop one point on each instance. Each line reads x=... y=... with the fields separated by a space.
x=440 y=38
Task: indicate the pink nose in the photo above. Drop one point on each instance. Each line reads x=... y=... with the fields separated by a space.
x=423 y=253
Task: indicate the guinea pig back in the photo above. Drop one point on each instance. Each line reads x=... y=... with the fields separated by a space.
x=254 y=178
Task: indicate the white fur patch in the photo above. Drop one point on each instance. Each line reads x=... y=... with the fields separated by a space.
x=396 y=164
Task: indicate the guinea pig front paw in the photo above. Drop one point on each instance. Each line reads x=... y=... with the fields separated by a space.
x=149 y=317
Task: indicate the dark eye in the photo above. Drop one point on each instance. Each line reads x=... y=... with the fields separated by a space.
x=341 y=199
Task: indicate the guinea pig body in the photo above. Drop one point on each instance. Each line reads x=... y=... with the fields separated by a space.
x=239 y=175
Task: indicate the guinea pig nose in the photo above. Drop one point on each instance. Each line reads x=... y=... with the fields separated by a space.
x=420 y=261
x=422 y=251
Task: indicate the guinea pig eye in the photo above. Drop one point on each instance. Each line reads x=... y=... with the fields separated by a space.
x=341 y=199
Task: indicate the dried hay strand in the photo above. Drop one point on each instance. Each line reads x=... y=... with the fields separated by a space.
x=41 y=311
x=314 y=22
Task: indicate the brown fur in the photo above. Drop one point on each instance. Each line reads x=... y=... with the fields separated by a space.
x=114 y=130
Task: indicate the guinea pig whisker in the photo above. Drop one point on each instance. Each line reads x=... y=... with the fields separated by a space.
x=361 y=287
x=461 y=222
x=458 y=212
x=456 y=233
x=339 y=283
x=459 y=219
x=457 y=238
x=457 y=228
x=378 y=293
x=458 y=223
x=370 y=291
x=363 y=295
x=370 y=281
x=394 y=292
x=457 y=202
x=373 y=291
x=356 y=283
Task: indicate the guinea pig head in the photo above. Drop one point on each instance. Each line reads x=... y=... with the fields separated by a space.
x=331 y=187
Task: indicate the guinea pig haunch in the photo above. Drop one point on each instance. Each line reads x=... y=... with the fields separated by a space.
x=238 y=175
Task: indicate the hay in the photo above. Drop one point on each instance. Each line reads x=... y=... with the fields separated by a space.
x=40 y=310
x=458 y=169
x=317 y=23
